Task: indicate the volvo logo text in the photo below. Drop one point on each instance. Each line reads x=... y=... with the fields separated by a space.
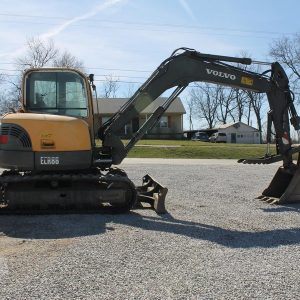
x=220 y=74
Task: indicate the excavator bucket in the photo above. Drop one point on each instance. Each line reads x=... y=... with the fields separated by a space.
x=153 y=193
x=284 y=187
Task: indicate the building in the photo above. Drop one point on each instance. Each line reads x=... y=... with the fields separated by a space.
x=170 y=125
x=240 y=133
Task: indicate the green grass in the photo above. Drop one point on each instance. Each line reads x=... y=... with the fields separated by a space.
x=194 y=149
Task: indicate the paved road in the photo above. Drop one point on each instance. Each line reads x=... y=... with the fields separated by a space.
x=217 y=242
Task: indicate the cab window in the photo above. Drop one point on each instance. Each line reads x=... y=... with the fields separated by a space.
x=61 y=93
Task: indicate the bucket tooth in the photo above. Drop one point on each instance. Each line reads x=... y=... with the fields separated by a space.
x=270 y=200
x=284 y=187
x=274 y=201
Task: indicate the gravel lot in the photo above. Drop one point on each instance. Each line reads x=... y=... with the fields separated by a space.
x=217 y=242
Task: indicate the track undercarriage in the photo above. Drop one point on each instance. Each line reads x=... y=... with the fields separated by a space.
x=86 y=191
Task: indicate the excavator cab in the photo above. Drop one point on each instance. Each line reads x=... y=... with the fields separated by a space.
x=61 y=93
x=58 y=91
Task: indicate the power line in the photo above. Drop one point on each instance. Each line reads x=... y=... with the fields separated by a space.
x=99 y=75
x=89 y=68
x=120 y=76
x=188 y=87
x=125 y=70
x=240 y=34
x=147 y=24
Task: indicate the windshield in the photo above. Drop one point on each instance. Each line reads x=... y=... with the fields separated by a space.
x=62 y=93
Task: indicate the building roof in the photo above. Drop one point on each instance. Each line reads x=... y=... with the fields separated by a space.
x=236 y=125
x=112 y=105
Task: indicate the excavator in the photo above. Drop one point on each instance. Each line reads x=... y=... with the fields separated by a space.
x=56 y=155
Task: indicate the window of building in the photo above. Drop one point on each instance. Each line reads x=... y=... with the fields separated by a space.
x=163 y=122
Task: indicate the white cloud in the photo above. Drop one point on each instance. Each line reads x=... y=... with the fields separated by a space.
x=187 y=9
x=55 y=31
x=60 y=28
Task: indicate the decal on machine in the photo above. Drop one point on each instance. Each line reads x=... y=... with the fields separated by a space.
x=49 y=160
x=220 y=74
x=247 y=80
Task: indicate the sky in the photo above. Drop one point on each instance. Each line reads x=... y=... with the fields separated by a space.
x=128 y=39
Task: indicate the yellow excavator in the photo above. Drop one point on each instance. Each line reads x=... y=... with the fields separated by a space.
x=50 y=153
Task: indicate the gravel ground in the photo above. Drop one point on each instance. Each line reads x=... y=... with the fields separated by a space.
x=217 y=242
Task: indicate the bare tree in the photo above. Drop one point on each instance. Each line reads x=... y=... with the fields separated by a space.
x=240 y=97
x=8 y=102
x=3 y=104
x=39 y=54
x=10 y=93
x=206 y=104
x=130 y=90
x=67 y=60
x=287 y=51
x=226 y=103
x=44 y=53
x=240 y=104
x=191 y=103
x=110 y=87
x=257 y=101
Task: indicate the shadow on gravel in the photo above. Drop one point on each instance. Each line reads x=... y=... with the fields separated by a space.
x=281 y=208
x=52 y=226
x=69 y=226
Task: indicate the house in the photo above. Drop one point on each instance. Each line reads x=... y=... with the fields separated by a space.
x=170 y=125
x=240 y=133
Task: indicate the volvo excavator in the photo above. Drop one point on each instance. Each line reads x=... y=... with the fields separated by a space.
x=51 y=156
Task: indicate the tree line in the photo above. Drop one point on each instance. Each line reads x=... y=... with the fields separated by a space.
x=43 y=53
x=212 y=104
x=208 y=103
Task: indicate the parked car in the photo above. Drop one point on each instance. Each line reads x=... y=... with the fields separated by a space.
x=200 y=136
x=218 y=137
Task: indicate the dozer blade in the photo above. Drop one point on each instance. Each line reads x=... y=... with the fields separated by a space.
x=284 y=187
x=153 y=193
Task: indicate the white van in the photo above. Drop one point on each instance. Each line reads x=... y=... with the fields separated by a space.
x=218 y=137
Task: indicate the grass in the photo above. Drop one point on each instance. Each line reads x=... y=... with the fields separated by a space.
x=195 y=149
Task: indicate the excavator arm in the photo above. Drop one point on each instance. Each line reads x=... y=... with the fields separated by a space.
x=187 y=65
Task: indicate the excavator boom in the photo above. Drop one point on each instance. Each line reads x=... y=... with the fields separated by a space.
x=182 y=68
x=187 y=65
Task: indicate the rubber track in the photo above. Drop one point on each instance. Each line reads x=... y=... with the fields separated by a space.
x=6 y=178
